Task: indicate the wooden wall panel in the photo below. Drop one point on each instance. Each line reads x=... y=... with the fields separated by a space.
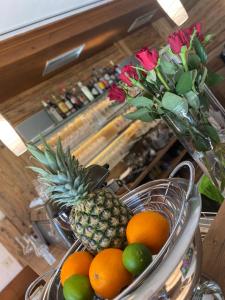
x=22 y=58
x=17 y=189
x=27 y=103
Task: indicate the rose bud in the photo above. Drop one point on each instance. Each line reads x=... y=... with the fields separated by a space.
x=147 y=58
x=175 y=42
x=198 y=28
x=116 y=94
x=128 y=72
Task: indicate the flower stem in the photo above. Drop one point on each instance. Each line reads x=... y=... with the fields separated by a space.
x=184 y=60
x=162 y=79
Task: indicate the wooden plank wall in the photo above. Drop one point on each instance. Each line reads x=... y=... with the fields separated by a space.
x=16 y=190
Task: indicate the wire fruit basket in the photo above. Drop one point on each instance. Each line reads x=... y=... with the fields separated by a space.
x=175 y=271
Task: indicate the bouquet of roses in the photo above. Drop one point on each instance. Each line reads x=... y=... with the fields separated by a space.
x=170 y=80
x=172 y=85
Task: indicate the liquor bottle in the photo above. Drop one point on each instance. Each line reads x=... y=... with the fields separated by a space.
x=92 y=88
x=102 y=78
x=61 y=105
x=67 y=101
x=96 y=85
x=101 y=83
x=80 y=96
x=77 y=104
x=107 y=77
x=86 y=91
x=52 y=111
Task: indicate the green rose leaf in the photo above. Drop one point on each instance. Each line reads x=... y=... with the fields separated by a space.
x=151 y=76
x=167 y=67
x=178 y=74
x=208 y=38
x=142 y=114
x=200 y=50
x=193 y=99
x=204 y=102
x=207 y=188
x=184 y=83
x=213 y=78
x=203 y=79
x=194 y=74
x=201 y=143
x=140 y=102
x=175 y=104
x=194 y=61
x=211 y=132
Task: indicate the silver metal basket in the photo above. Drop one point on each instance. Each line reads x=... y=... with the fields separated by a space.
x=175 y=270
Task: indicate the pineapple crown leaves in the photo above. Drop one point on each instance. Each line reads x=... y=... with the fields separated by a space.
x=66 y=180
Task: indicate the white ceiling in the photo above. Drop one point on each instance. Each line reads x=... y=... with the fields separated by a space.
x=17 y=16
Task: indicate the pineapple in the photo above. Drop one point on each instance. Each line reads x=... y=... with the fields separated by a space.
x=97 y=218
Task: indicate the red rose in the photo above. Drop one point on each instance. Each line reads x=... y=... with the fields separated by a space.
x=175 y=42
x=179 y=39
x=117 y=94
x=198 y=28
x=128 y=72
x=147 y=58
x=184 y=37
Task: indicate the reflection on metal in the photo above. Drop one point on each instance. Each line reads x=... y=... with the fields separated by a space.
x=142 y=20
x=62 y=60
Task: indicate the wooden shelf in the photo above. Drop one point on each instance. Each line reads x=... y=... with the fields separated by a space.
x=173 y=164
x=148 y=168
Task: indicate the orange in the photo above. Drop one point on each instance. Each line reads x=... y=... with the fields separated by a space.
x=77 y=263
x=149 y=228
x=107 y=274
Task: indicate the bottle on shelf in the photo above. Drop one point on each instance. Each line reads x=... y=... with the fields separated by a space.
x=77 y=104
x=98 y=84
x=61 y=105
x=92 y=89
x=52 y=111
x=107 y=77
x=85 y=90
x=67 y=101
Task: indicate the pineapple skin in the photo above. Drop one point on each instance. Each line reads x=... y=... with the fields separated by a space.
x=99 y=221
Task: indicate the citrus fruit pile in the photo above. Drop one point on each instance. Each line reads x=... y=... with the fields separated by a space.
x=111 y=270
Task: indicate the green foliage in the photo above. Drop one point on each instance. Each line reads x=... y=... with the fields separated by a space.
x=167 y=67
x=151 y=76
x=184 y=83
x=203 y=79
x=142 y=114
x=208 y=38
x=200 y=50
x=175 y=104
x=193 y=99
x=140 y=102
x=211 y=132
x=194 y=61
x=213 y=78
x=207 y=188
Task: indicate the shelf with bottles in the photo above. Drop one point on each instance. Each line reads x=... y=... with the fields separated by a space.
x=72 y=96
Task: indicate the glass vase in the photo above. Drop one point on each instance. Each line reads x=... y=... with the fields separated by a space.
x=202 y=133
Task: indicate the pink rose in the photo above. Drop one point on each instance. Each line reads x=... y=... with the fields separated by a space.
x=147 y=58
x=128 y=72
x=117 y=94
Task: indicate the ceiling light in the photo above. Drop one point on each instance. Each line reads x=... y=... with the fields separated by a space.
x=175 y=10
x=10 y=137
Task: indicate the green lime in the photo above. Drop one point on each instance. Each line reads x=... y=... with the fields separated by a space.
x=78 y=287
x=136 y=258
